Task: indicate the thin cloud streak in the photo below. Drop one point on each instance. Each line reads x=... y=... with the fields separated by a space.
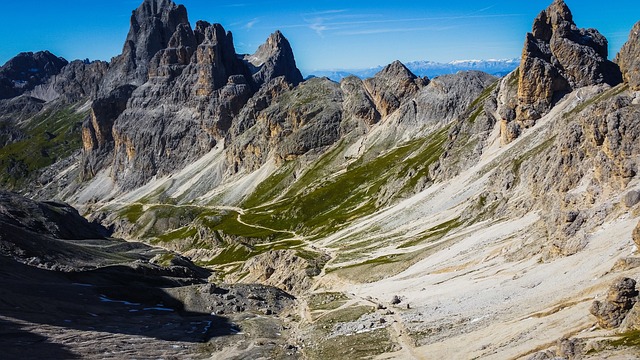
x=251 y=24
x=396 y=30
x=388 y=21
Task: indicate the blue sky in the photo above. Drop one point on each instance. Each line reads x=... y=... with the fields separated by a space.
x=326 y=34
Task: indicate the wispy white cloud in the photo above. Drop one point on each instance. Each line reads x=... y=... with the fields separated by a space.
x=395 y=30
x=318 y=27
x=359 y=24
x=249 y=25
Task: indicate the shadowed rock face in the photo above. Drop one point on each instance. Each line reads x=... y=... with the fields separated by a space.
x=629 y=59
x=152 y=26
x=557 y=58
x=27 y=70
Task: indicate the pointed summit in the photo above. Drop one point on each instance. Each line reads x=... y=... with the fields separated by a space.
x=556 y=16
x=557 y=58
x=391 y=85
x=396 y=69
x=152 y=26
x=274 y=58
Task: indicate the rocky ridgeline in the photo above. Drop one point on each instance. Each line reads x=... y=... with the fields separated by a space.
x=27 y=70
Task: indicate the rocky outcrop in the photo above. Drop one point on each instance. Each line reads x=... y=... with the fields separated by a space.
x=28 y=70
x=631 y=322
x=392 y=85
x=152 y=25
x=558 y=58
x=621 y=297
x=282 y=269
x=629 y=59
x=45 y=218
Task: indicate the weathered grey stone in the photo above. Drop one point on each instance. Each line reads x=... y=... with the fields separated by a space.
x=631 y=198
x=558 y=57
x=621 y=297
x=391 y=85
x=629 y=58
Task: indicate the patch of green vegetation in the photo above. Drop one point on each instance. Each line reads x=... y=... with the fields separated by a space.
x=326 y=301
x=179 y=234
x=364 y=345
x=232 y=254
x=475 y=114
x=429 y=153
x=165 y=259
x=479 y=101
x=230 y=225
x=434 y=233
x=614 y=91
x=50 y=136
x=271 y=187
x=132 y=212
x=344 y=315
x=378 y=268
x=322 y=201
x=629 y=339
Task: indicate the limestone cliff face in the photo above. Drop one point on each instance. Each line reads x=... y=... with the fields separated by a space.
x=186 y=100
x=629 y=59
x=557 y=58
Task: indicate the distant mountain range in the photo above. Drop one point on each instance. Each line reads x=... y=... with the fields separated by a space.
x=431 y=69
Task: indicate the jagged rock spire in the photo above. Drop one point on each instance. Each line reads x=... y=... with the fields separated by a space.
x=274 y=58
x=152 y=26
x=557 y=58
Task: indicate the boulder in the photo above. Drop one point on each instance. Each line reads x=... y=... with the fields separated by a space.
x=621 y=297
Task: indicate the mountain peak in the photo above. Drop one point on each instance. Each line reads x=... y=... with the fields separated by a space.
x=557 y=16
x=274 y=58
x=396 y=69
x=27 y=70
x=152 y=26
